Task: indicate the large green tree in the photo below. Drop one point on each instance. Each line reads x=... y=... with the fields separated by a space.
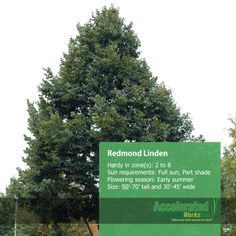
x=104 y=91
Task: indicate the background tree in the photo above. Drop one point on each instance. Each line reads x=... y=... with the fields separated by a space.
x=228 y=170
x=7 y=208
x=104 y=91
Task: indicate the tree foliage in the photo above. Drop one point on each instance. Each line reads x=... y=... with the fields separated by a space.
x=104 y=91
x=228 y=171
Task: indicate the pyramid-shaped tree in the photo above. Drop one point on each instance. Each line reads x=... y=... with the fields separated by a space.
x=103 y=91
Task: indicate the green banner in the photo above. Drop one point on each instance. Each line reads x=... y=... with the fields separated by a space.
x=159 y=189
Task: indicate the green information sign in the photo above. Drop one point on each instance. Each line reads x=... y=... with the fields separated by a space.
x=159 y=189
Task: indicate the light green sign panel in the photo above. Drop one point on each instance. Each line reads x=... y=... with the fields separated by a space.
x=159 y=189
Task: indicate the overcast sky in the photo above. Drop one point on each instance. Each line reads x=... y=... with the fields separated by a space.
x=190 y=45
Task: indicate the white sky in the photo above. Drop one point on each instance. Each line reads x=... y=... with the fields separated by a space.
x=190 y=45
